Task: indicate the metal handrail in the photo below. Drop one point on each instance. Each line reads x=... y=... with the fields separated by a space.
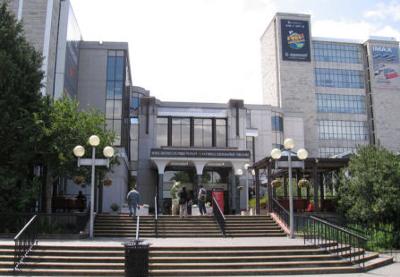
x=137 y=227
x=338 y=227
x=280 y=211
x=24 y=241
x=219 y=215
x=346 y=244
x=155 y=216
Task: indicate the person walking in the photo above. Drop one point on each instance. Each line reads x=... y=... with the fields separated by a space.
x=183 y=198
x=201 y=198
x=133 y=198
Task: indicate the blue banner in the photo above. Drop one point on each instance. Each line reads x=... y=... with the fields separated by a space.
x=295 y=40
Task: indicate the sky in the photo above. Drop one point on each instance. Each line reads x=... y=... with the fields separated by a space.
x=209 y=50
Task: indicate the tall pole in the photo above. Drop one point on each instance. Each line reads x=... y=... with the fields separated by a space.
x=290 y=196
x=92 y=193
x=247 y=190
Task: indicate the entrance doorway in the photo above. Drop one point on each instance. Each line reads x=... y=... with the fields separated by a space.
x=212 y=178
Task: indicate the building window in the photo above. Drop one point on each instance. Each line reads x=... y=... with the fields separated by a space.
x=337 y=52
x=134 y=138
x=181 y=132
x=114 y=92
x=342 y=130
x=162 y=131
x=202 y=132
x=277 y=123
x=220 y=128
x=337 y=103
x=339 y=78
x=250 y=146
x=134 y=103
x=248 y=119
x=327 y=152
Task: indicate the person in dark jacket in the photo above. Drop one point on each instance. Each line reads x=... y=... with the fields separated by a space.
x=133 y=198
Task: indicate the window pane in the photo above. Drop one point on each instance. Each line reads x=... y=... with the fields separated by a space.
x=117 y=130
x=118 y=90
x=119 y=68
x=162 y=131
x=110 y=67
x=109 y=108
x=110 y=90
x=117 y=109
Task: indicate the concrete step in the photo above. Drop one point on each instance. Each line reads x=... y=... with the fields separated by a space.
x=252 y=272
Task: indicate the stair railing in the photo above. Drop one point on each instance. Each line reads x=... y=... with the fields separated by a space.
x=137 y=237
x=219 y=215
x=335 y=239
x=155 y=216
x=25 y=240
x=280 y=212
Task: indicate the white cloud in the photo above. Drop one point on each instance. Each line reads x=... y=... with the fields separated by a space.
x=381 y=11
x=354 y=30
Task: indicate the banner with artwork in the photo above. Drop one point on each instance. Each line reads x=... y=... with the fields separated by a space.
x=295 y=40
x=386 y=67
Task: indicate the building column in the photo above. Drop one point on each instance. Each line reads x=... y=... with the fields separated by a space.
x=199 y=165
x=161 y=164
x=237 y=193
x=257 y=191
x=315 y=183
x=269 y=186
x=160 y=198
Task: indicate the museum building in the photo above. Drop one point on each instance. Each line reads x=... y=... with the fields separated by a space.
x=328 y=95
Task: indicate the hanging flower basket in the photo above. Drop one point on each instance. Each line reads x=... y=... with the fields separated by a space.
x=107 y=182
x=303 y=183
x=78 y=179
x=276 y=183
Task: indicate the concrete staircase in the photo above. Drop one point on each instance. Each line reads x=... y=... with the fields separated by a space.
x=252 y=226
x=191 y=226
x=98 y=260
x=121 y=225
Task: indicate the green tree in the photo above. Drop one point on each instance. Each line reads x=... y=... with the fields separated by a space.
x=20 y=101
x=63 y=127
x=369 y=190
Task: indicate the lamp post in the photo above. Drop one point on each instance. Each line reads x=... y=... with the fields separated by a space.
x=302 y=154
x=79 y=151
x=246 y=167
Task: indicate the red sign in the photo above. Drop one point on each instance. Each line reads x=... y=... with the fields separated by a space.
x=219 y=197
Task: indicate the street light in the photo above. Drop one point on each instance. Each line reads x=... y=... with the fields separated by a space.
x=302 y=154
x=79 y=151
x=246 y=167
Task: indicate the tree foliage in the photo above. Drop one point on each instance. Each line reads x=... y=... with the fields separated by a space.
x=369 y=190
x=20 y=102
x=63 y=126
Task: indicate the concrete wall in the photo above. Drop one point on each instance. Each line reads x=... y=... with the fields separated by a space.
x=92 y=77
x=269 y=66
x=34 y=18
x=147 y=174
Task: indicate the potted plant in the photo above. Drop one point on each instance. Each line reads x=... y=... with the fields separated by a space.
x=303 y=183
x=276 y=183
x=79 y=179
x=114 y=208
x=107 y=182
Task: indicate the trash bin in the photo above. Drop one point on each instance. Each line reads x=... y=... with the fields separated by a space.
x=136 y=258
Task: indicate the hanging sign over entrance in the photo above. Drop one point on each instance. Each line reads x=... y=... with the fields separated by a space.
x=194 y=153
